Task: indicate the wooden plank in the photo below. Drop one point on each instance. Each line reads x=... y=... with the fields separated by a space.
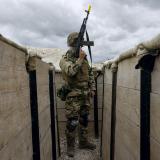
x=46 y=149
x=127 y=139
x=155 y=148
x=129 y=105
x=156 y=76
x=19 y=147
x=128 y=76
x=155 y=116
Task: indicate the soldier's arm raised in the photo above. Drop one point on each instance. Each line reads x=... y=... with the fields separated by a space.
x=70 y=68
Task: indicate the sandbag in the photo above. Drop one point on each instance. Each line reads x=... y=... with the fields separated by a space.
x=153 y=43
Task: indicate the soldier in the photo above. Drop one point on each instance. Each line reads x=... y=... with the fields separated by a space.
x=79 y=78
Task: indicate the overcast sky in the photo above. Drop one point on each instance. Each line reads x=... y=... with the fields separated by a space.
x=114 y=25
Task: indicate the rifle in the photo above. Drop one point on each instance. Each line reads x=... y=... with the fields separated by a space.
x=80 y=40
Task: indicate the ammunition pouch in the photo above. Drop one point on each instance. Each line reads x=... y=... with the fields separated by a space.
x=63 y=92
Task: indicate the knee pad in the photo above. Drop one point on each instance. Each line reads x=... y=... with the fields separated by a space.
x=84 y=120
x=72 y=124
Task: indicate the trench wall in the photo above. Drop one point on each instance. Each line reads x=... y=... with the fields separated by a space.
x=127 y=113
x=15 y=107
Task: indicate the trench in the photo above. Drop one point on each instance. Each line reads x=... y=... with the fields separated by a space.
x=123 y=122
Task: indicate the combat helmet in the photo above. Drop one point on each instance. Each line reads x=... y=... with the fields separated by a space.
x=71 y=40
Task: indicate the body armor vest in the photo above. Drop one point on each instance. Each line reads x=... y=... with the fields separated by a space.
x=81 y=79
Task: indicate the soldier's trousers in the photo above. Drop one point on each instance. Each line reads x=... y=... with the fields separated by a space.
x=77 y=111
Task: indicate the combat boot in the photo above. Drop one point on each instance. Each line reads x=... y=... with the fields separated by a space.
x=70 y=146
x=70 y=151
x=87 y=145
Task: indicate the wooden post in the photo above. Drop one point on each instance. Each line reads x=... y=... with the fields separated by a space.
x=52 y=113
x=113 y=113
x=34 y=107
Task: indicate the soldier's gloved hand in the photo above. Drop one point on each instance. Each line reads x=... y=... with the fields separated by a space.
x=82 y=54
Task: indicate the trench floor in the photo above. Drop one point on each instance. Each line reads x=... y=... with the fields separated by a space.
x=81 y=154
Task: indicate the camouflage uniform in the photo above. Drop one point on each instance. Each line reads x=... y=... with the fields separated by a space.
x=79 y=77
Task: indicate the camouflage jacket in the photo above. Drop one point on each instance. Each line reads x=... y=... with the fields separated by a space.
x=76 y=72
